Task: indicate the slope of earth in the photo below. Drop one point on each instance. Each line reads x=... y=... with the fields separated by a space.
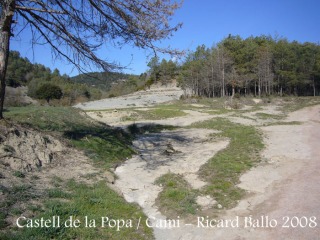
x=150 y=97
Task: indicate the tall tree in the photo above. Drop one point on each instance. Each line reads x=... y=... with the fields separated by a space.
x=75 y=30
x=167 y=71
x=154 y=70
x=264 y=69
x=283 y=65
x=225 y=63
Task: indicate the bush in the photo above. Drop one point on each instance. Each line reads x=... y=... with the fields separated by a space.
x=49 y=91
x=237 y=95
x=149 y=83
x=112 y=95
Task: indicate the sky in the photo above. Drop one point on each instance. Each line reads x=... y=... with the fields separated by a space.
x=205 y=22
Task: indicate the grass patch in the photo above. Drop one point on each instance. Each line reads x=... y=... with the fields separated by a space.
x=56 y=181
x=106 y=146
x=48 y=118
x=283 y=123
x=215 y=103
x=241 y=115
x=19 y=174
x=219 y=111
x=93 y=201
x=177 y=197
x=20 y=193
x=16 y=211
x=3 y=222
x=35 y=208
x=12 y=198
x=269 y=116
x=291 y=104
x=58 y=193
x=224 y=169
x=134 y=129
x=175 y=105
x=161 y=113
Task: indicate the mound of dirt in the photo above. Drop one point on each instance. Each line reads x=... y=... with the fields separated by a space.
x=26 y=150
x=35 y=153
x=30 y=161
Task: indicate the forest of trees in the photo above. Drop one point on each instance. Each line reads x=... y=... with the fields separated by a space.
x=257 y=66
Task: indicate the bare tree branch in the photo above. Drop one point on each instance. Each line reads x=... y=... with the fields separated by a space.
x=75 y=30
x=38 y=10
x=86 y=26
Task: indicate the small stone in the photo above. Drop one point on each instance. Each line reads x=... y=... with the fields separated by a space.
x=219 y=206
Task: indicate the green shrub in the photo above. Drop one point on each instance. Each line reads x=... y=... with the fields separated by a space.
x=112 y=95
x=19 y=174
x=49 y=91
x=237 y=95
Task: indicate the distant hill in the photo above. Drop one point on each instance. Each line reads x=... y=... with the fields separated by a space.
x=102 y=80
x=84 y=87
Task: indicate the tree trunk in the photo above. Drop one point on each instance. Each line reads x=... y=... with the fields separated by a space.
x=233 y=89
x=255 y=88
x=5 y=33
x=223 y=82
x=259 y=87
x=212 y=77
x=314 y=86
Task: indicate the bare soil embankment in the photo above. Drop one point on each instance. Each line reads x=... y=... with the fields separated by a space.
x=146 y=98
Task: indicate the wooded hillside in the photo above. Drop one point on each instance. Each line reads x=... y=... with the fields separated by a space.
x=84 y=87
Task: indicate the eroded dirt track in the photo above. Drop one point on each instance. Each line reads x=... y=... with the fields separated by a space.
x=137 y=176
x=296 y=194
x=284 y=189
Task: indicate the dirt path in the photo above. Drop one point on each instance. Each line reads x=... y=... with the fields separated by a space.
x=296 y=194
x=284 y=188
x=137 y=175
